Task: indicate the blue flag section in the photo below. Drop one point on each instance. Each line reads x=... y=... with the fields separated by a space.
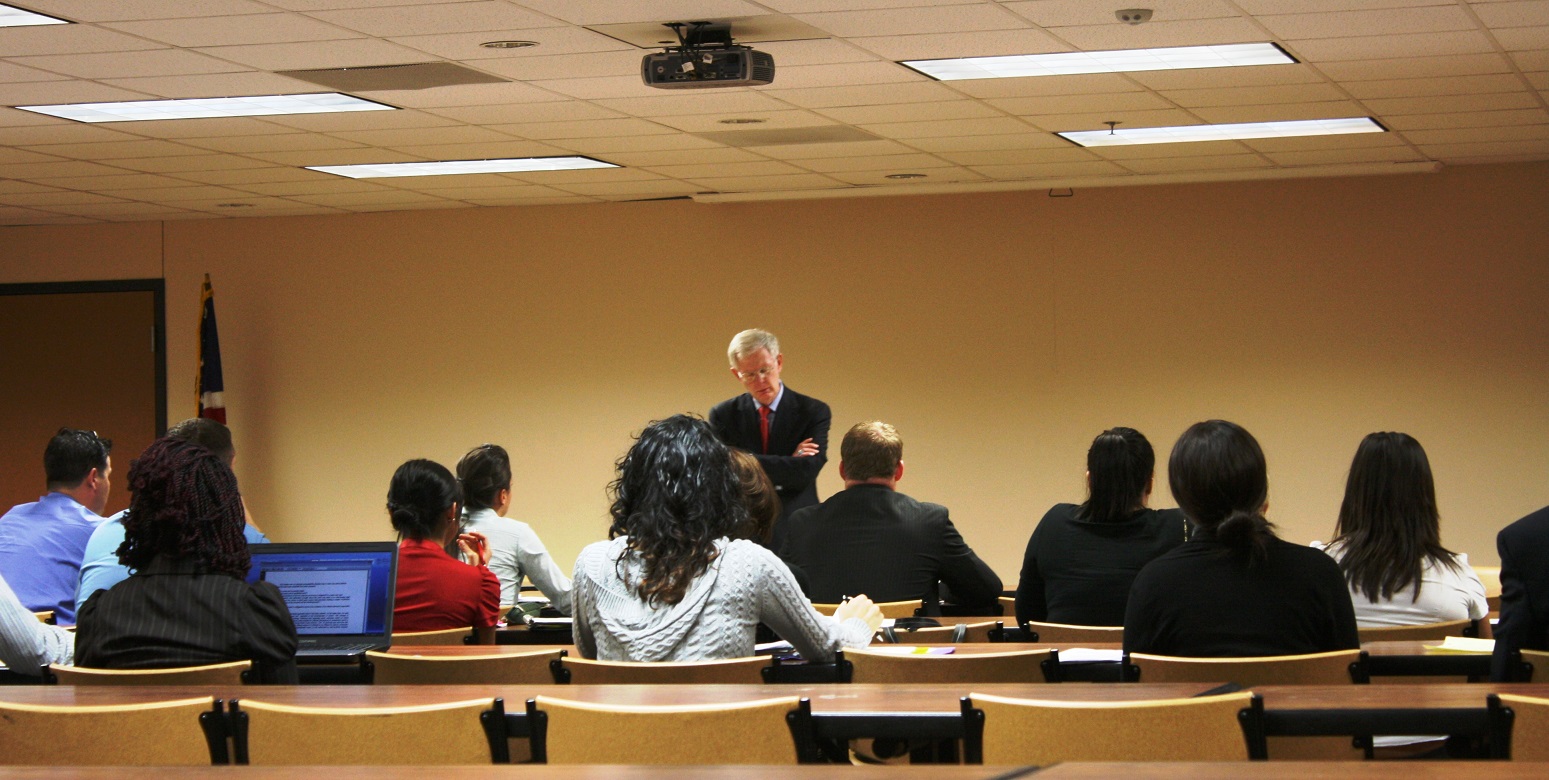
x=208 y=385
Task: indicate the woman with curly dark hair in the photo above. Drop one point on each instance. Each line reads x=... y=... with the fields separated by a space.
x=186 y=602
x=673 y=584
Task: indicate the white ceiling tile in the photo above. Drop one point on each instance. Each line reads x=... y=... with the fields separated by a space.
x=911 y=112
x=722 y=102
x=36 y=93
x=1028 y=140
x=826 y=51
x=55 y=170
x=55 y=198
x=511 y=113
x=113 y=183
x=1243 y=96
x=12 y=155
x=1061 y=154
x=1192 y=32
x=251 y=176
x=801 y=153
x=947 y=127
x=175 y=194
x=1477 y=135
x=1416 y=67
x=1266 y=7
x=806 y=76
x=1059 y=123
x=1446 y=85
x=950 y=175
x=1078 y=104
x=206 y=128
x=695 y=170
x=11 y=185
x=61 y=132
x=58 y=39
x=124 y=209
x=457 y=134
x=797 y=181
x=156 y=62
x=1229 y=162
x=601 y=175
x=99 y=11
x=194 y=162
x=915 y=20
x=566 y=66
x=461 y=95
x=332 y=184
x=1280 y=112
x=551 y=41
x=380 y=196
x=643 y=189
x=684 y=157
x=830 y=97
x=613 y=12
x=597 y=147
x=1055 y=170
x=1523 y=13
x=1089 y=84
x=1538 y=148
x=1539 y=81
x=1067 y=13
x=114 y=150
x=250 y=82
x=356 y=156
x=235 y=30
x=11 y=73
x=564 y=200
x=1210 y=78
x=1390 y=46
x=317 y=54
x=1531 y=60
x=875 y=162
x=596 y=128
x=1530 y=116
x=432 y=19
x=814 y=6
x=288 y=142
x=984 y=43
x=1523 y=38
x=480 y=151
x=1440 y=104
x=1313 y=143
x=597 y=88
x=1343 y=24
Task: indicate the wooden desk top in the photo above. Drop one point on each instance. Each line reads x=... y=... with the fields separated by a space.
x=517 y=772
x=1299 y=770
x=1425 y=695
x=836 y=697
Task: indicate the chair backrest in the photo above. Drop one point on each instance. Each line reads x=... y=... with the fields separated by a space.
x=445 y=636
x=431 y=734
x=1025 y=731
x=1422 y=632
x=1008 y=606
x=1018 y=666
x=232 y=673
x=46 y=616
x=768 y=731
x=1331 y=668
x=1490 y=577
x=581 y=671
x=163 y=733
x=506 y=669
x=1066 y=633
x=889 y=609
x=988 y=631
x=1534 y=661
x=1529 y=726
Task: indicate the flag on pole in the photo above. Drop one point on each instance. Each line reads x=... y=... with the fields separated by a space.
x=208 y=385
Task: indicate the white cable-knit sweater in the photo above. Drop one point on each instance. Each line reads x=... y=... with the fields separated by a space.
x=745 y=585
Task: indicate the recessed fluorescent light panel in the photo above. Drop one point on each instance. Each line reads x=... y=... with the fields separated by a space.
x=204 y=108
x=1122 y=61
x=1237 y=132
x=456 y=167
x=16 y=17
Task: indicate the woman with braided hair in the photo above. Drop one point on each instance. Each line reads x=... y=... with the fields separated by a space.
x=186 y=602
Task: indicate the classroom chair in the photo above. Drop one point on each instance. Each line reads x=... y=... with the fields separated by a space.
x=1521 y=723
x=1529 y=662
x=1330 y=668
x=889 y=609
x=46 y=616
x=768 y=731
x=230 y=673
x=179 y=732
x=1425 y=632
x=445 y=636
x=988 y=631
x=1017 y=666
x=403 y=668
x=430 y=734
x=582 y=671
x=1071 y=634
x=1002 y=730
x=1490 y=577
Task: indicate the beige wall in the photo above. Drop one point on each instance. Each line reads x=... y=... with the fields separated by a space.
x=1000 y=332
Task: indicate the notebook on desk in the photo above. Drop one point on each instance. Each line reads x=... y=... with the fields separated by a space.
x=340 y=594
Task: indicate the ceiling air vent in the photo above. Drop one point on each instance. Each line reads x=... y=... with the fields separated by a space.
x=371 y=78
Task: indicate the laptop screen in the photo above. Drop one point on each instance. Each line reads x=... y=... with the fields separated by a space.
x=332 y=588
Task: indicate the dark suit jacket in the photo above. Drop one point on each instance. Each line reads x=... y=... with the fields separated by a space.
x=799 y=417
x=1524 y=549
x=873 y=540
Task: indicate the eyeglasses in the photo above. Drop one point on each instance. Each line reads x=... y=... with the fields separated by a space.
x=762 y=373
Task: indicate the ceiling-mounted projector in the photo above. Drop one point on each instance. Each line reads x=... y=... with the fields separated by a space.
x=706 y=57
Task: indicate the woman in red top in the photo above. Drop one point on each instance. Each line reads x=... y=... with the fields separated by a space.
x=435 y=590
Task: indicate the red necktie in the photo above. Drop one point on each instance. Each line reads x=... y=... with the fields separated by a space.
x=763 y=426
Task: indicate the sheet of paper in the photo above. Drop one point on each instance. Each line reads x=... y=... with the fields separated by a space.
x=1462 y=644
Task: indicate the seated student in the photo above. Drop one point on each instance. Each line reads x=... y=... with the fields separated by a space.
x=187 y=602
x=435 y=590
x=673 y=585
x=26 y=644
x=1234 y=589
x=515 y=551
x=1081 y=560
x=1388 y=541
x=100 y=568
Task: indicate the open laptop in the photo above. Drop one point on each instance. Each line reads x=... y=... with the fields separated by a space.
x=340 y=594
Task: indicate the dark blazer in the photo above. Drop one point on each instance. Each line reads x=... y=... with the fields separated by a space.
x=799 y=417
x=1524 y=550
x=874 y=540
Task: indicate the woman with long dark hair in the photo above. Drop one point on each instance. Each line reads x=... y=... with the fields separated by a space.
x=673 y=584
x=516 y=552
x=435 y=590
x=187 y=602
x=1234 y=589
x=1388 y=541
x=1082 y=559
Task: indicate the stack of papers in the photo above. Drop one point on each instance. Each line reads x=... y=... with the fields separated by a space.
x=1462 y=645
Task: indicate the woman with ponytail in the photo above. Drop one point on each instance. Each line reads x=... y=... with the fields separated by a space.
x=1081 y=559
x=186 y=602
x=1234 y=589
x=516 y=552
x=435 y=590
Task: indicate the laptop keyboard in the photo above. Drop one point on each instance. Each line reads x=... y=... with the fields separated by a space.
x=347 y=649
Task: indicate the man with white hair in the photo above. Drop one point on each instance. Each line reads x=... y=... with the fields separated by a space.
x=786 y=431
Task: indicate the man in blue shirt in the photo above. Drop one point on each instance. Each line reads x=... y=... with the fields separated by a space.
x=100 y=568
x=42 y=543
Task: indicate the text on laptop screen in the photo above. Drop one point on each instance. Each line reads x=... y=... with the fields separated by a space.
x=330 y=592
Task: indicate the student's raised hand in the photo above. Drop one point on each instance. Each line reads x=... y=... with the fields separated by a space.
x=860 y=607
x=475 y=547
